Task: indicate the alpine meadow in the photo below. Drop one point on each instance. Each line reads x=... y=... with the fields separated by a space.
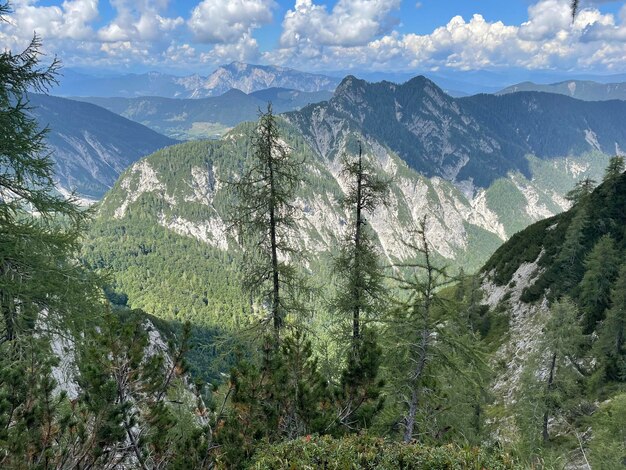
x=312 y=234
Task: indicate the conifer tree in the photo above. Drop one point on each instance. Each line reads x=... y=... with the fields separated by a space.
x=360 y=293
x=601 y=269
x=581 y=191
x=358 y=268
x=551 y=375
x=265 y=214
x=611 y=344
x=431 y=339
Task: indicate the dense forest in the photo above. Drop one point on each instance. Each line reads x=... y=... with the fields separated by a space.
x=273 y=360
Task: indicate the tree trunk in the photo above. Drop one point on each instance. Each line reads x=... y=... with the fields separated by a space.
x=546 y=415
x=356 y=329
x=409 y=430
x=276 y=314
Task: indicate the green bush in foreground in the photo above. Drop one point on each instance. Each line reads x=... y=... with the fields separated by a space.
x=358 y=452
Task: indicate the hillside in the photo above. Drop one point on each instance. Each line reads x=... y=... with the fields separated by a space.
x=91 y=146
x=245 y=77
x=556 y=289
x=585 y=90
x=473 y=140
x=205 y=117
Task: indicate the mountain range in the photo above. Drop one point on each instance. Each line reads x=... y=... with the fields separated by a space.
x=245 y=77
x=206 y=117
x=580 y=89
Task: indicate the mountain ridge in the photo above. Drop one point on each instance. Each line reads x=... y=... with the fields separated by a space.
x=246 y=77
x=586 y=90
x=474 y=139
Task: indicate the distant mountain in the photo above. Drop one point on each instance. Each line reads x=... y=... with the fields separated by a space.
x=206 y=117
x=474 y=140
x=245 y=77
x=579 y=89
x=90 y=145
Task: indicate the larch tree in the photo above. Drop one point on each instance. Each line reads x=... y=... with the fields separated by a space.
x=551 y=375
x=360 y=291
x=431 y=338
x=265 y=214
x=601 y=270
x=358 y=268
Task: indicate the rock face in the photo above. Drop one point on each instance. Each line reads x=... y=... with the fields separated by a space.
x=89 y=145
x=249 y=78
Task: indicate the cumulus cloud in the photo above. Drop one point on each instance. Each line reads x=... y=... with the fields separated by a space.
x=71 y=20
x=351 y=34
x=350 y=23
x=548 y=39
x=228 y=21
x=138 y=20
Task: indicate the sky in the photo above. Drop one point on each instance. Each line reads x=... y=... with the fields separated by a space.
x=195 y=36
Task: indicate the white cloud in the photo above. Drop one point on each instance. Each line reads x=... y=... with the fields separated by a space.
x=352 y=34
x=350 y=23
x=70 y=20
x=548 y=39
x=229 y=21
x=138 y=20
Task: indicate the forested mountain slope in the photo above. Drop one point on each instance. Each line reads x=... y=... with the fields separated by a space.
x=164 y=222
x=91 y=146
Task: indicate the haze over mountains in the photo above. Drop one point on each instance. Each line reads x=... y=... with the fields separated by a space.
x=206 y=117
x=245 y=77
x=580 y=89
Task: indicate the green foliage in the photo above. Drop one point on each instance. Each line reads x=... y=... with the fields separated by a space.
x=611 y=344
x=608 y=444
x=358 y=397
x=283 y=397
x=263 y=215
x=551 y=385
x=361 y=452
x=601 y=269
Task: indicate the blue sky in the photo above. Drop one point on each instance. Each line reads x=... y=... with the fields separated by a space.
x=318 y=35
